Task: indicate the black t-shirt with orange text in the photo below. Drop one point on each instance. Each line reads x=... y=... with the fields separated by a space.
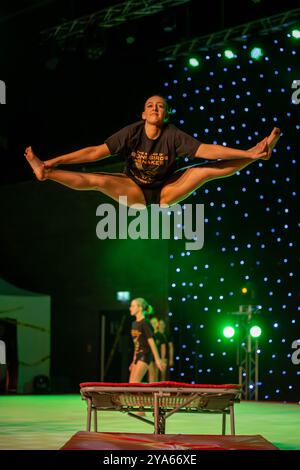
x=141 y=331
x=150 y=162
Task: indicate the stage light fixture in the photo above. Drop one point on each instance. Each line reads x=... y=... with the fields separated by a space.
x=256 y=53
x=194 y=62
x=228 y=332
x=255 y=331
x=229 y=54
x=296 y=33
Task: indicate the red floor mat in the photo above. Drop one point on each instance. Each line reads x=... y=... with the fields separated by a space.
x=129 y=441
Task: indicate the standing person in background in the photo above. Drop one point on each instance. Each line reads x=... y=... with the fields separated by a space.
x=169 y=361
x=145 y=350
x=161 y=345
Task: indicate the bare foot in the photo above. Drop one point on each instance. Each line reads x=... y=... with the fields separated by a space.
x=36 y=164
x=272 y=140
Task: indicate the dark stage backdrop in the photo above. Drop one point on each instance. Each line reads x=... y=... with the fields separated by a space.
x=49 y=245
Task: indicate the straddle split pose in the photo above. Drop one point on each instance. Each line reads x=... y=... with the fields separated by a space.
x=151 y=148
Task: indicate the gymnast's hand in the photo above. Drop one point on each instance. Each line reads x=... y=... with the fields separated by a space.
x=52 y=163
x=267 y=144
x=260 y=150
x=161 y=365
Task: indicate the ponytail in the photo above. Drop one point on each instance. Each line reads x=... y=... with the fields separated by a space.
x=146 y=308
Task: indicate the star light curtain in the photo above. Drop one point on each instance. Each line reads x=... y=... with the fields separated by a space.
x=252 y=219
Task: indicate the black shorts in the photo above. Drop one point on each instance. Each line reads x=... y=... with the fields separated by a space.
x=144 y=357
x=152 y=195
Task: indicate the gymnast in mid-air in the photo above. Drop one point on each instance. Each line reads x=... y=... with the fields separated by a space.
x=151 y=148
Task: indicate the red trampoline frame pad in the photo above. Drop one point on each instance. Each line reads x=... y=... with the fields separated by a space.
x=157 y=384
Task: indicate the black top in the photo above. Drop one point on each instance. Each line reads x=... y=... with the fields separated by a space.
x=151 y=161
x=169 y=339
x=140 y=332
x=160 y=339
x=169 y=336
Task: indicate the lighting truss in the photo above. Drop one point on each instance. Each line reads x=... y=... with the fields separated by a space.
x=262 y=27
x=248 y=354
x=109 y=17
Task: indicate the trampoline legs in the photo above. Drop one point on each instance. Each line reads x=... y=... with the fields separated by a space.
x=159 y=417
x=232 y=425
x=95 y=420
x=223 y=424
x=161 y=423
x=89 y=412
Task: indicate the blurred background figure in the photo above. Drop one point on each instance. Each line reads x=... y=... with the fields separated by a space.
x=161 y=344
x=145 y=350
x=164 y=330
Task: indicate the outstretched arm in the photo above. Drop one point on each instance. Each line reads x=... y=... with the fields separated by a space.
x=157 y=359
x=87 y=154
x=171 y=354
x=261 y=150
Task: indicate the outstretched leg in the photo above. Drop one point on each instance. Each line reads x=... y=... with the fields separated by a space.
x=193 y=178
x=113 y=185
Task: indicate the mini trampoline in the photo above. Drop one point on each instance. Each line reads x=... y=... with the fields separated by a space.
x=163 y=399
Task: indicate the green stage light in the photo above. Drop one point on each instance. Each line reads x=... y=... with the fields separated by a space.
x=228 y=332
x=255 y=331
x=256 y=53
x=229 y=54
x=296 y=33
x=194 y=62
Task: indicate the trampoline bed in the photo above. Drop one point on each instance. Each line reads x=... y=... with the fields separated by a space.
x=163 y=399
